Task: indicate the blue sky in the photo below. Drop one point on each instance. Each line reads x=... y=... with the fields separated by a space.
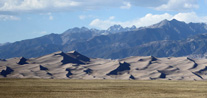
x=25 y=19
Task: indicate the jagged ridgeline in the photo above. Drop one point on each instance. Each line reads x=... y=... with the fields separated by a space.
x=164 y=39
x=73 y=65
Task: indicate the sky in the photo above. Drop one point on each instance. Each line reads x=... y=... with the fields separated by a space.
x=25 y=19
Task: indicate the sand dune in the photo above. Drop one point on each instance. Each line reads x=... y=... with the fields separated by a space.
x=73 y=65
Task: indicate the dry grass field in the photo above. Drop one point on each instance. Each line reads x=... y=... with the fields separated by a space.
x=52 y=88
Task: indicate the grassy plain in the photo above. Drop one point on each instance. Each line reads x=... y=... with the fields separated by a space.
x=54 y=88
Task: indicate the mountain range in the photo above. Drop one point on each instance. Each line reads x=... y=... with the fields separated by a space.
x=166 y=38
x=73 y=65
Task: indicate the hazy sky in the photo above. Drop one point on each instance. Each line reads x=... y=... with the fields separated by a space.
x=23 y=19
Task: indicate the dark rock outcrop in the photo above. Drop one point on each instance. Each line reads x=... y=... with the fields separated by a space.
x=22 y=61
x=7 y=71
x=122 y=68
x=43 y=68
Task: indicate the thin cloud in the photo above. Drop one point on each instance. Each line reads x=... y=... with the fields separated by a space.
x=51 y=18
x=54 y=5
x=36 y=5
x=22 y=6
x=179 y=5
x=82 y=17
x=148 y=3
x=127 y=5
x=167 y=5
x=40 y=32
x=44 y=32
x=8 y=17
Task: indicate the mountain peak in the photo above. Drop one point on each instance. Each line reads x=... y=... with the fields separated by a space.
x=174 y=20
x=80 y=29
x=133 y=27
x=160 y=24
x=76 y=29
x=84 y=28
x=118 y=28
x=166 y=22
x=115 y=28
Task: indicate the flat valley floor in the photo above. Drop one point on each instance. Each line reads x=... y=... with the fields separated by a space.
x=65 y=88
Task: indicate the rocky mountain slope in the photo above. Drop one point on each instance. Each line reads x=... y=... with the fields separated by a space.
x=193 y=47
x=117 y=42
x=73 y=65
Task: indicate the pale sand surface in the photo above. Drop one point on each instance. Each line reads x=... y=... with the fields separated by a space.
x=72 y=65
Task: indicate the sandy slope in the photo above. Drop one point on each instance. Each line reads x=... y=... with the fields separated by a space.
x=73 y=65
